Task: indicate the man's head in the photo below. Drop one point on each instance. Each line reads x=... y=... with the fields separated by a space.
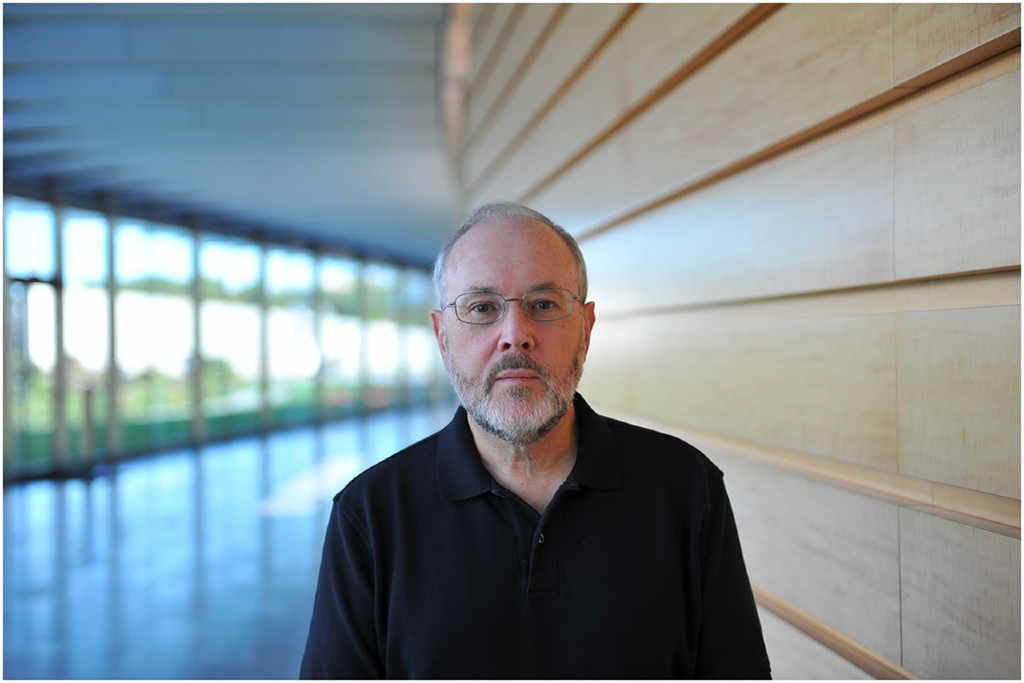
x=516 y=377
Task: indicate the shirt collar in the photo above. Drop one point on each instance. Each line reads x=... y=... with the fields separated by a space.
x=461 y=474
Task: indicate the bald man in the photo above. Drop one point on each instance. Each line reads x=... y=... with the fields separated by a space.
x=531 y=537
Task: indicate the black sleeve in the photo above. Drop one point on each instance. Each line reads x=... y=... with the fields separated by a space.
x=342 y=639
x=731 y=644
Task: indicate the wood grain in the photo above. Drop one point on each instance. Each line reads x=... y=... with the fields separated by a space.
x=831 y=553
x=958 y=182
x=795 y=655
x=598 y=98
x=834 y=57
x=810 y=220
x=487 y=46
x=928 y=35
x=825 y=386
x=993 y=513
x=518 y=47
x=574 y=37
x=961 y=599
x=959 y=397
x=858 y=657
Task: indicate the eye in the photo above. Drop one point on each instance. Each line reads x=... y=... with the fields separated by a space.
x=482 y=308
x=544 y=305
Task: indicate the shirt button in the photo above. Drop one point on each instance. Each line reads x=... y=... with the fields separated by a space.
x=540 y=538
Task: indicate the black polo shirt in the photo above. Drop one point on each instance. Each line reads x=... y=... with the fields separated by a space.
x=433 y=570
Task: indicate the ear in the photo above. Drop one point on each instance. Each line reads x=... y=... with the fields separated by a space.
x=437 y=318
x=589 y=318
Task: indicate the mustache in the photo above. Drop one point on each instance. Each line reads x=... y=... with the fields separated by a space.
x=515 y=361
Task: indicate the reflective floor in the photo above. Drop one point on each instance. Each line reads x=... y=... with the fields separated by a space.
x=190 y=564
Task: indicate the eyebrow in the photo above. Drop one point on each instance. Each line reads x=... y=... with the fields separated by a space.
x=548 y=284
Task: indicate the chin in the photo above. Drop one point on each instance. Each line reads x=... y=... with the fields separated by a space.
x=520 y=417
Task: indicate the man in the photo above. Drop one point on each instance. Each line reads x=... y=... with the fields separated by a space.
x=530 y=538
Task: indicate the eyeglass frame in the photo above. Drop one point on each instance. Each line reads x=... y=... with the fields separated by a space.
x=504 y=308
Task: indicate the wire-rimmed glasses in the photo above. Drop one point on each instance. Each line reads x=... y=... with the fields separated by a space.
x=486 y=308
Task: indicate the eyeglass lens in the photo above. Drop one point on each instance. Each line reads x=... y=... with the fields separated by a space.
x=542 y=305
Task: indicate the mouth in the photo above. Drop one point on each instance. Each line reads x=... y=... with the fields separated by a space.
x=516 y=377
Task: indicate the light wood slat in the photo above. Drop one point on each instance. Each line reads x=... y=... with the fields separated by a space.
x=870 y=114
x=996 y=514
x=800 y=542
x=1001 y=288
x=819 y=385
x=795 y=655
x=595 y=102
x=835 y=58
x=583 y=29
x=958 y=182
x=520 y=46
x=486 y=51
x=482 y=36
x=759 y=233
x=926 y=36
x=961 y=599
x=859 y=661
x=959 y=397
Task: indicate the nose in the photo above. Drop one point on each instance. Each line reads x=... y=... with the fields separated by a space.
x=516 y=329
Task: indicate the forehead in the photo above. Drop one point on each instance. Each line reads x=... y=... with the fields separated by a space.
x=510 y=255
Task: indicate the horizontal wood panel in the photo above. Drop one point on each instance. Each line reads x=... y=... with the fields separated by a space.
x=483 y=45
x=928 y=35
x=958 y=181
x=802 y=65
x=993 y=513
x=795 y=655
x=819 y=385
x=597 y=99
x=961 y=599
x=832 y=553
x=573 y=38
x=518 y=45
x=813 y=219
x=959 y=397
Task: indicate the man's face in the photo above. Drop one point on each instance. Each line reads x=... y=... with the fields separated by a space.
x=516 y=377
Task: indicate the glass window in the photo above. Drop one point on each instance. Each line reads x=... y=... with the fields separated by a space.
x=86 y=332
x=31 y=361
x=383 y=335
x=28 y=243
x=420 y=353
x=341 y=335
x=154 y=334
x=293 y=352
x=229 y=327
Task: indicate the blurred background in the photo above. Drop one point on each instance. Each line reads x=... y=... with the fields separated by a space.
x=802 y=226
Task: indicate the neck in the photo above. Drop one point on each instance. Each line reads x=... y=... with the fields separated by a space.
x=532 y=472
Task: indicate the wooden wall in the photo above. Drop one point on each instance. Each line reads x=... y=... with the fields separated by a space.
x=802 y=225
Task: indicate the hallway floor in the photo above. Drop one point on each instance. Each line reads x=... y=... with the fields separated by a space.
x=196 y=563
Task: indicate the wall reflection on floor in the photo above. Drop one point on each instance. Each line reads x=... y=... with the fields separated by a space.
x=190 y=564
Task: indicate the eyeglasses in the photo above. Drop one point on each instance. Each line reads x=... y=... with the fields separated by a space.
x=542 y=305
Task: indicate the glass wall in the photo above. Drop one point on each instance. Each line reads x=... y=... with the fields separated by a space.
x=382 y=353
x=103 y=316
x=341 y=335
x=29 y=334
x=86 y=333
x=154 y=330
x=422 y=359
x=229 y=326
x=293 y=352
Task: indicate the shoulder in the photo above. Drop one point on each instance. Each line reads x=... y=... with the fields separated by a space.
x=663 y=462
x=660 y=449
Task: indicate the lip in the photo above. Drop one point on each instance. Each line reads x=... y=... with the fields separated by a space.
x=519 y=376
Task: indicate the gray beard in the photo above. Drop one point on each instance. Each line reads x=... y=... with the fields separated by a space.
x=521 y=424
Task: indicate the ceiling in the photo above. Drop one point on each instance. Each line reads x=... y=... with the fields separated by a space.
x=315 y=123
